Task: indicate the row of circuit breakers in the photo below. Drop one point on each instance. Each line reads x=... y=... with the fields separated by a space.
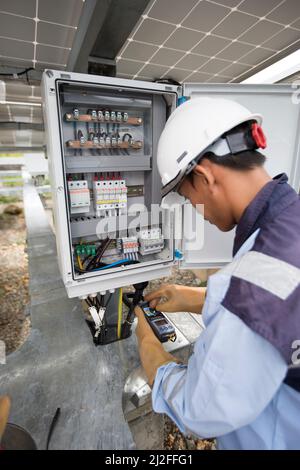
x=110 y=196
x=110 y=199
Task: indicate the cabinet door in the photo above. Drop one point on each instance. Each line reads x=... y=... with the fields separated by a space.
x=279 y=105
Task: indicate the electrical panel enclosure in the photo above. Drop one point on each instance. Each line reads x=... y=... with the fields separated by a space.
x=102 y=136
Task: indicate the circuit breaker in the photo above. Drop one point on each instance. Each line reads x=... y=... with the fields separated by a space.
x=102 y=138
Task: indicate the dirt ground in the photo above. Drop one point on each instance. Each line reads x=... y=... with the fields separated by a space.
x=14 y=324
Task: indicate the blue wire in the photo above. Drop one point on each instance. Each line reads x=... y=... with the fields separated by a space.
x=116 y=263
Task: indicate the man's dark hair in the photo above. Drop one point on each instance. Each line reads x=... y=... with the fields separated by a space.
x=243 y=161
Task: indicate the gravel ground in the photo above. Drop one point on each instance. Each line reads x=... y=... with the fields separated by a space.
x=178 y=276
x=14 y=325
x=175 y=440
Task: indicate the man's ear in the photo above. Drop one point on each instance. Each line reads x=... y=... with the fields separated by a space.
x=204 y=171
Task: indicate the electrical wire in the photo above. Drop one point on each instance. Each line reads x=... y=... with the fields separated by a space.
x=116 y=263
x=79 y=136
x=99 y=253
x=18 y=74
x=136 y=298
x=79 y=262
x=88 y=302
x=108 y=300
x=167 y=81
x=126 y=299
x=119 y=327
x=93 y=301
x=124 y=262
x=52 y=426
x=98 y=302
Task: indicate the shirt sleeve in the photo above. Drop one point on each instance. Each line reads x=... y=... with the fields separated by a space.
x=230 y=378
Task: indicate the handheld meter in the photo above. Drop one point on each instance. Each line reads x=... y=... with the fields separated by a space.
x=160 y=325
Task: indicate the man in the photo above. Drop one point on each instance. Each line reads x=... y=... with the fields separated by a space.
x=242 y=383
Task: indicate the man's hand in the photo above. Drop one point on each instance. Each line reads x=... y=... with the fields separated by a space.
x=143 y=330
x=175 y=298
x=151 y=351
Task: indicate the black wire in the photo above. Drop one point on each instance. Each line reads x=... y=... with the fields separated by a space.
x=100 y=250
x=75 y=134
x=102 y=297
x=19 y=74
x=93 y=301
x=129 y=141
x=125 y=135
x=52 y=426
x=79 y=135
x=88 y=302
x=75 y=129
x=167 y=81
x=108 y=300
x=95 y=262
x=126 y=300
x=98 y=305
x=99 y=300
x=137 y=297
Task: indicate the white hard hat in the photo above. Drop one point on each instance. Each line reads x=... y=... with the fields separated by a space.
x=194 y=128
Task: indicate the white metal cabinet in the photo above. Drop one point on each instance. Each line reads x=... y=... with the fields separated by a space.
x=76 y=165
x=281 y=111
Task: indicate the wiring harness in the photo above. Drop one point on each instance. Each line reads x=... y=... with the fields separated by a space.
x=93 y=263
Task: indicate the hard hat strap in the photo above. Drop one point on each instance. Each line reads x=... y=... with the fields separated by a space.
x=235 y=141
x=248 y=136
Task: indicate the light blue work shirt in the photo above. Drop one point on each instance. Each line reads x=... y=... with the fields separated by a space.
x=232 y=387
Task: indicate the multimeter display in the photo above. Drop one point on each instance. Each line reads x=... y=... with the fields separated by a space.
x=160 y=325
x=160 y=322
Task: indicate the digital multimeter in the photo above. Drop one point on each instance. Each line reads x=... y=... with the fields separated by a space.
x=160 y=325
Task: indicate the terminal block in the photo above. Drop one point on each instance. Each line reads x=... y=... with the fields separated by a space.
x=151 y=241
x=85 y=250
x=129 y=247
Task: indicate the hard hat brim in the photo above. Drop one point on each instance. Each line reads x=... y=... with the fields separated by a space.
x=174 y=183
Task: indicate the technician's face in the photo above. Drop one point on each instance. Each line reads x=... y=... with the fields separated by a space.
x=208 y=196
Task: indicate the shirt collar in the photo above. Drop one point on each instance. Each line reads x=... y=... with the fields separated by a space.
x=268 y=203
